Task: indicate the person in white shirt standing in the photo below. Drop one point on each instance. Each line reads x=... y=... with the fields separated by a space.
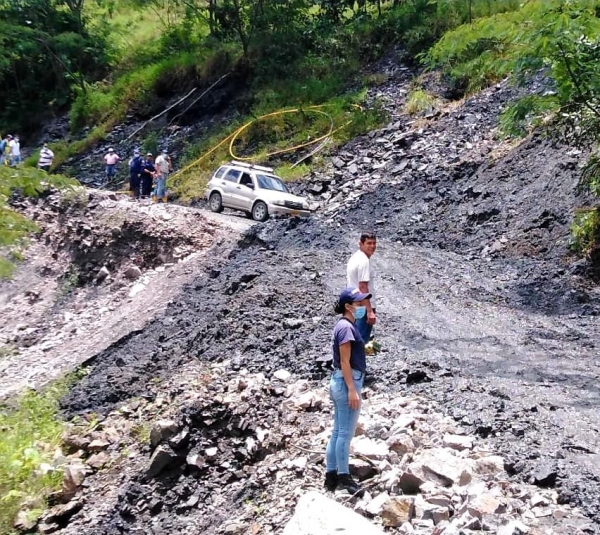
x=359 y=274
x=46 y=158
x=14 y=151
x=111 y=160
x=163 y=168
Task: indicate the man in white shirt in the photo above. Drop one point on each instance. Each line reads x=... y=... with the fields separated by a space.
x=110 y=161
x=14 y=151
x=163 y=168
x=359 y=274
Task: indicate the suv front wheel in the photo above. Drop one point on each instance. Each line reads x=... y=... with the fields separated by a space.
x=260 y=212
x=216 y=202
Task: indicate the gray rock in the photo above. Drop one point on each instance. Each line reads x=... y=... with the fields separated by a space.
x=98 y=460
x=164 y=457
x=133 y=273
x=162 y=430
x=318 y=515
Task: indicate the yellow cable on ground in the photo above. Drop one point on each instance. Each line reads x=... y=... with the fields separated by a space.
x=233 y=136
x=311 y=109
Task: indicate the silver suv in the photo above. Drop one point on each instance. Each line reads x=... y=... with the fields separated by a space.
x=253 y=189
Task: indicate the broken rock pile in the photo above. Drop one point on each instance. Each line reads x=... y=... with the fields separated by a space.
x=242 y=451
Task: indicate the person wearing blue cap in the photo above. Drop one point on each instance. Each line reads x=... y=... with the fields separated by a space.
x=350 y=365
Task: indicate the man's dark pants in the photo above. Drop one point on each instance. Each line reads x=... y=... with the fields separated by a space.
x=134 y=184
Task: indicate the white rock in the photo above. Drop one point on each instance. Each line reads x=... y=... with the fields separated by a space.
x=370 y=448
x=136 y=289
x=211 y=452
x=318 y=515
x=376 y=504
x=458 y=442
x=403 y=421
x=513 y=528
x=442 y=467
x=282 y=375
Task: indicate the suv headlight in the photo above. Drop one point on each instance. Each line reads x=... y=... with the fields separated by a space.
x=279 y=203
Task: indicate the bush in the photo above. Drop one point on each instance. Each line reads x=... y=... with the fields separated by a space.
x=419 y=101
x=586 y=231
x=31 y=432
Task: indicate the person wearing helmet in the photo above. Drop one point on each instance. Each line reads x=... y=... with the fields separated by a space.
x=136 y=165
x=350 y=365
x=111 y=160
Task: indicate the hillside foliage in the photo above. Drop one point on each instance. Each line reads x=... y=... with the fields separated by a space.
x=14 y=227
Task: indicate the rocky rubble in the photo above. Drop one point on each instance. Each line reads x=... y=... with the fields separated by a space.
x=244 y=449
x=89 y=268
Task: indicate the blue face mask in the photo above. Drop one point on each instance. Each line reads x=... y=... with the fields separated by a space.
x=359 y=312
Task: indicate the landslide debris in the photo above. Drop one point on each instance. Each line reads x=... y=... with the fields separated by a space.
x=485 y=316
x=82 y=284
x=231 y=453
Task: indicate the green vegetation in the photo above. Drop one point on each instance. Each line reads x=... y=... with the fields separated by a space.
x=586 y=230
x=14 y=228
x=31 y=434
x=419 y=101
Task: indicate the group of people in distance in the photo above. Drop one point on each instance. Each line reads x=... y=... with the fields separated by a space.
x=147 y=177
x=10 y=150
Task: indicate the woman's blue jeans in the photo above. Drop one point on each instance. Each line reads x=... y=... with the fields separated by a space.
x=344 y=422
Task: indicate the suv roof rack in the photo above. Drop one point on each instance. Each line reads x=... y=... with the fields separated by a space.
x=252 y=166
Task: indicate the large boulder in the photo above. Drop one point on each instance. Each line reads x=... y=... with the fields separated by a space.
x=318 y=515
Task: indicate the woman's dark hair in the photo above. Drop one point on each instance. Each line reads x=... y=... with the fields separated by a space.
x=339 y=307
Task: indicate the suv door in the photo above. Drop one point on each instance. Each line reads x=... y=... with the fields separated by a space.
x=227 y=184
x=244 y=192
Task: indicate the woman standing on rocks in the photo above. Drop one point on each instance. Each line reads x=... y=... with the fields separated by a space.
x=350 y=364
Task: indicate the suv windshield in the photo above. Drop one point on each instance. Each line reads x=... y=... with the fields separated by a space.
x=271 y=182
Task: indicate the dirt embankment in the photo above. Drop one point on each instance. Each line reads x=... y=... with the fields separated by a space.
x=100 y=268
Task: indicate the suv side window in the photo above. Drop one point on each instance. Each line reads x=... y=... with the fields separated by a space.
x=246 y=180
x=220 y=172
x=232 y=175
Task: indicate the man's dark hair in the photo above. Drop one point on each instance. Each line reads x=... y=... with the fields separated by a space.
x=367 y=236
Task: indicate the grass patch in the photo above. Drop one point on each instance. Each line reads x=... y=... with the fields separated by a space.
x=419 y=101
x=30 y=436
x=286 y=172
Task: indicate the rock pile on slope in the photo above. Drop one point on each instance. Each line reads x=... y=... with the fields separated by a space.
x=241 y=450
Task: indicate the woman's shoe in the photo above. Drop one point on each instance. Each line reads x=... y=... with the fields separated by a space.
x=331 y=480
x=345 y=482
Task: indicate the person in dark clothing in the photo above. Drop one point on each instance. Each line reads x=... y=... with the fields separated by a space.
x=136 y=165
x=148 y=173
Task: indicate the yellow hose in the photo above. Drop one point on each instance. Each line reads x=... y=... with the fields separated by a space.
x=232 y=137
